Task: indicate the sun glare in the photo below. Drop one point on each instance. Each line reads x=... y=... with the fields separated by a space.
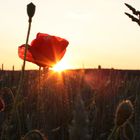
x=61 y=66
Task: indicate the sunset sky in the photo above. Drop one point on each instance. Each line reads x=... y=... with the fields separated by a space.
x=98 y=31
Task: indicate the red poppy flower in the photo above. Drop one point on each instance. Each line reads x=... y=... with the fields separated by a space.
x=45 y=50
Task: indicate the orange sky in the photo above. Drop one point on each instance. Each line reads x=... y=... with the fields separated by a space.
x=98 y=32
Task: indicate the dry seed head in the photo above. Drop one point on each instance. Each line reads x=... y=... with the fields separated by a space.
x=30 y=10
x=123 y=113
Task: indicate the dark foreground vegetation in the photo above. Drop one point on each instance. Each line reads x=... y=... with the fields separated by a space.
x=72 y=105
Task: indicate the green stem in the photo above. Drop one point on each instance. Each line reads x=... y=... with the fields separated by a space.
x=23 y=66
x=18 y=94
x=24 y=61
x=26 y=47
x=112 y=133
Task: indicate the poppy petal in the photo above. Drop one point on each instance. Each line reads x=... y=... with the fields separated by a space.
x=21 y=51
x=45 y=50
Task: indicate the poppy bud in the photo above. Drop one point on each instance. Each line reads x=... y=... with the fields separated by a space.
x=2 y=104
x=30 y=10
x=123 y=113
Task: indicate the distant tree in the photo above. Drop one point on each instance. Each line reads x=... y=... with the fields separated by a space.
x=99 y=67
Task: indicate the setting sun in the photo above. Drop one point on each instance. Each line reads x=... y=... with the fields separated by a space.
x=61 y=66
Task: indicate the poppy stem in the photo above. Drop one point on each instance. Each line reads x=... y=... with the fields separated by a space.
x=24 y=62
x=26 y=47
x=23 y=67
x=113 y=132
x=18 y=94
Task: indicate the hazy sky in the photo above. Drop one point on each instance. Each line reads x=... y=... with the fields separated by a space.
x=97 y=30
